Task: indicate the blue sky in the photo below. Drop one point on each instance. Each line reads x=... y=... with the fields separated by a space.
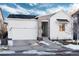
x=33 y=8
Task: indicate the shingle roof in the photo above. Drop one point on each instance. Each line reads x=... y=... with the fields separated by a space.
x=21 y=16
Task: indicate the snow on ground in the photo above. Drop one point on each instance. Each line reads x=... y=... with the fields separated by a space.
x=35 y=44
x=43 y=42
x=7 y=52
x=71 y=46
x=67 y=52
x=40 y=42
x=57 y=42
x=37 y=52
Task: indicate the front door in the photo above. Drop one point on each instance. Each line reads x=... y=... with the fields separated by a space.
x=45 y=29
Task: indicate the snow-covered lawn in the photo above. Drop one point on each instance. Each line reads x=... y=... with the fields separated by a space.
x=71 y=46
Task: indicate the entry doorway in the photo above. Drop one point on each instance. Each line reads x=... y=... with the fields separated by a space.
x=44 y=29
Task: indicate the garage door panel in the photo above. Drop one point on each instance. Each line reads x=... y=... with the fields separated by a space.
x=23 y=24
x=22 y=29
x=20 y=34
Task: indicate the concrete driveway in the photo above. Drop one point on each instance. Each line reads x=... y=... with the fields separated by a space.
x=34 y=47
x=45 y=45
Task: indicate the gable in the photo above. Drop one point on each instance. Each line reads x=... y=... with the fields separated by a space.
x=60 y=15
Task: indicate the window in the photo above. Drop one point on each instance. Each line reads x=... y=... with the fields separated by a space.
x=62 y=27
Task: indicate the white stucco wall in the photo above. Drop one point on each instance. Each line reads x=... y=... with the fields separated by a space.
x=22 y=29
x=54 y=26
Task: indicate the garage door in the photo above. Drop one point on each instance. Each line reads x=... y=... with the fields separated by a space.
x=24 y=30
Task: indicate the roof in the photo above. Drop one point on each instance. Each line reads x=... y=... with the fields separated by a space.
x=73 y=11
x=21 y=16
x=76 y=12
x=51 y=14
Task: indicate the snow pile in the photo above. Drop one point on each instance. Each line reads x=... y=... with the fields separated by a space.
x=71 y=46
x=57 y=42
x=36 y=52
x=34 y=44
x=67 y=52
x=40 y=42
x=43 y=42
x=7 y=52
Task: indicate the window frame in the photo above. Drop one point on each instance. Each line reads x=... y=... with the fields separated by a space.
x=62 y=27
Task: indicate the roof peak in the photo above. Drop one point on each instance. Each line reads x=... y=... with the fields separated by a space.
x=54 y=12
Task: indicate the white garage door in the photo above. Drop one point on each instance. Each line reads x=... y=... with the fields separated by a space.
x=24 y=30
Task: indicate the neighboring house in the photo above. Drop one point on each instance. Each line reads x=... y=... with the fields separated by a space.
x=75 y=16
x=22 y=27
x=56 y=26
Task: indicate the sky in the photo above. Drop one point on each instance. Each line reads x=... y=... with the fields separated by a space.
x=35 y=8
